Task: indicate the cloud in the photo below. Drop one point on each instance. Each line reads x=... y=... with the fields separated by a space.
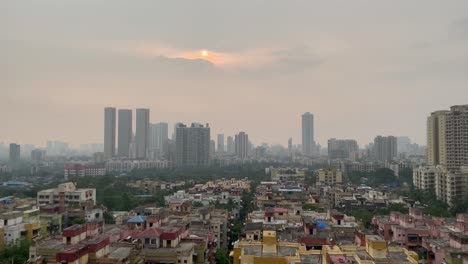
x=459 y=29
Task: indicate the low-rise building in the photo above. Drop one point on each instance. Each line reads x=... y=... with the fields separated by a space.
x=66 y=194
x=449 y=186
x=329 y=177
x=79 y=170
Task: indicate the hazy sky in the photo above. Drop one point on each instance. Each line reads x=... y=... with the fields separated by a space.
x=362 y=67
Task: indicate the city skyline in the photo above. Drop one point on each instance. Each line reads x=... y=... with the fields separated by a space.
x=130 y=118
x=376 y=79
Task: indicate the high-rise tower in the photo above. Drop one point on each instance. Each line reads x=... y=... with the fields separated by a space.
x=308 y=143
x=125 y=132
x=109 y=132
x=141 y=132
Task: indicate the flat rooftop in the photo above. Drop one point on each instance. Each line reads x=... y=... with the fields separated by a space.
x=120 y=253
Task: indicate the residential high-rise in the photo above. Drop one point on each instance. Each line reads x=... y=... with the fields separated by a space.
x=447 y=138
x=38 y=155
x=220 y=143
x=15 y=151
x=341 y=148
x=141 y=133
x=174 y=131
x=242 y=145
x=290 y=145
x=109 y=132
x=447 y=156
x=457 y=137
x=59 y=148
x=436 y=141
x=230 y=147
x=125 y=132
x=192 y=145
x=158 y=137
x=308 y=143
x=403 y=144
x=385 y=148
x=449 y=186
x=212 y=148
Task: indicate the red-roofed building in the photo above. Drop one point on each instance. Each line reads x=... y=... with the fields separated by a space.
x=74 y=254
x=150 y=237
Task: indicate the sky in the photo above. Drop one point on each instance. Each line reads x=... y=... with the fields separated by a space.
x=363 y=68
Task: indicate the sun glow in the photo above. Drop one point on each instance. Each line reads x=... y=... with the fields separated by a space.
x=204 y=53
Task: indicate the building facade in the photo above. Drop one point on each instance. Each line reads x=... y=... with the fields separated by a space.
x=158 y=138
x=220 y=148
x=341 y=148
x=308 y=143
x=456 y=134
x=125 y=132
x=66 y=194
x=242 y=145
x=436 y=147
x=141 y=133
x=329 y=177
x=109 y=132
x=15 y=152
x=230 y=147
x=192 y=145
x=385 y=148
x=38 y=155
x=449 y=186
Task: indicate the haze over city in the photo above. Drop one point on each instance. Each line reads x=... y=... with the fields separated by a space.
x=362 y=68
x=234 y=132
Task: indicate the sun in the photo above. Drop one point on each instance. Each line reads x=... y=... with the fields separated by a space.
x=204 y=53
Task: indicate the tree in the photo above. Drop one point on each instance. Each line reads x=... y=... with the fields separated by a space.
x=354 y=177
x=127 y=203
x=108 y=218
x=406 y=175
x=382 y=176
x=197 y=204
x=221 y=256
x=78 y=221
x=16 y=254
x=460 y=207
x=311 y=207
x=364 y=216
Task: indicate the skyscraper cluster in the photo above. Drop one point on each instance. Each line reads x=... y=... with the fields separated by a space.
x=128 y=145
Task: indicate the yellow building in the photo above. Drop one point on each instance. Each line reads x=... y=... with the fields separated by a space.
x=329 y=176
x=32 y=229
x=376 y=251
x=272 y=251
x=32 y=214
x=2 y=241
x=51 y=224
